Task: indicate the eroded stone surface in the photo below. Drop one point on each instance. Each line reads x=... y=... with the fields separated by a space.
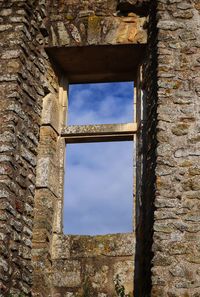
x=93 y=259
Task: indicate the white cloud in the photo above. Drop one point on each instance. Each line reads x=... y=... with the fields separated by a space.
x=101 y=103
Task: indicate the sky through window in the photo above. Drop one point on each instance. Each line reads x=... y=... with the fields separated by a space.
x=99 y=176
x=103 y=103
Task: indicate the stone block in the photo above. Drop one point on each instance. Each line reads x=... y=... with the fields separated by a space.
x=50 y=111
x=94 y=29
x=58 y=218
x=125 y=270
x=43 y=223
x=47 y=175
x=126 y=30
x=66 y=273
x=62 y=34
x=48 y=143
x=98 y=273
x=61 y=247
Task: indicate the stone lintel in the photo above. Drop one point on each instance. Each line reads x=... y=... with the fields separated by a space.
x=115 y=62
x=95 y=133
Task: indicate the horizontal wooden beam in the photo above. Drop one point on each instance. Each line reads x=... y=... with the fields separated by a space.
x=99 y=133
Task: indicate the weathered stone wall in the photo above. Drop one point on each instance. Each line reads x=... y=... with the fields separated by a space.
x=90 y=264
x=91 y=22
x=170 y=192
x=176 y=227
x=25 y=78
x=167 y=261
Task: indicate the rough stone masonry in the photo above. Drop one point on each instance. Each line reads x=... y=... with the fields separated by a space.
x=41 y=44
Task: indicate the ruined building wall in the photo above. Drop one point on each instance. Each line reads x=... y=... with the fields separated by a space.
x=167 y=257
x=26 y=76
x=176 y=236
x=167 y=264
x=28 y=86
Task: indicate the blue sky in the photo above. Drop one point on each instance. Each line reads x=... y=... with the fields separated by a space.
x=99 y=176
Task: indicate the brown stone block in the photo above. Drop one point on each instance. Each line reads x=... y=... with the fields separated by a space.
x=47 y=175
x=40 y=235
x=126 y=30
x=44 y=199
x=98 y=271
x=191 y=184
x=194 y=170
x=50 y=111
x=42 y=222
x=184 y=14
x=66 y=273
x=194 y=258
x=61 y=247
x=193 y=216
x=179 y=248
x=165 y=214
x=125 y=270
x=40 y=211
x=39 y=246
x=180 y=129
x=163 y=227
x=197 y=6
x=48 y=141
x=158 y=291
x=43 y=215
x=160 y=259
x=58 y=218
x=63 y=37
x=94 y=29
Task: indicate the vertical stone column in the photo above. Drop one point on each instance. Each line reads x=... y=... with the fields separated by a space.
x=176 y=228
x=46 y=193
x=49 y=189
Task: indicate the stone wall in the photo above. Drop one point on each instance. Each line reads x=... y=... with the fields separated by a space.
x=90 y=23
x=176 y=236
x=167 y=260
x=167 y=256
x=26 y=76
x=90 y=264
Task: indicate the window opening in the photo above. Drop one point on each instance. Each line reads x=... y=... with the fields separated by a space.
x=100 y=103
x=98 y=188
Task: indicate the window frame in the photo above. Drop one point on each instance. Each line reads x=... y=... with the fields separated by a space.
x=106 y=133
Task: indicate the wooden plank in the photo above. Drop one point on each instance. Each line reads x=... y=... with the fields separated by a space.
x=98 y=133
